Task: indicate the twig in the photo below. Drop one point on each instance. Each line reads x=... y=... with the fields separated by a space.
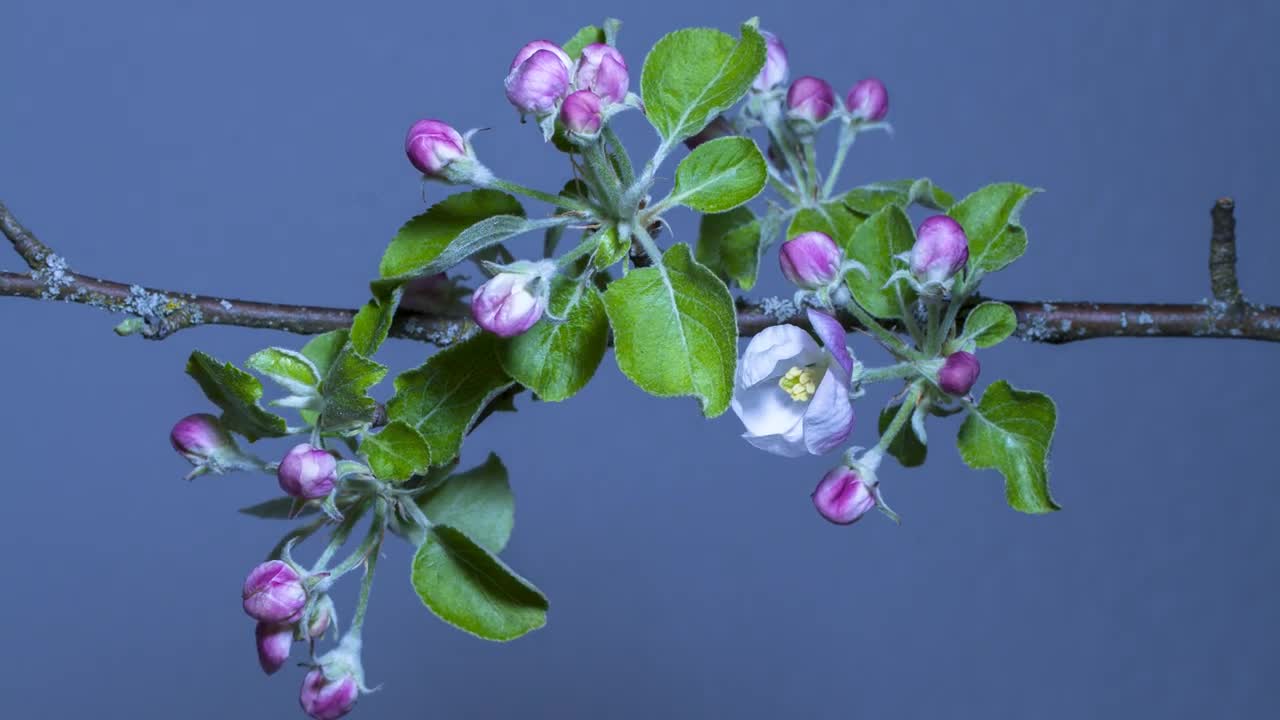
x=162 y=312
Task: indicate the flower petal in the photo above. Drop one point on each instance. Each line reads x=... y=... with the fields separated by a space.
x=768 y=410
x=786 y=445
x=832 y=334
x=829 y=419
x=774 y=351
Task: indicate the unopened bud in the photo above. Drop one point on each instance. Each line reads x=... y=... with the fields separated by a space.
x=843 y=497
x=581 y=114
x=432 y=146
x=810 y=98
x=203 y=441
x=602 y=70
x=512 y=302
x=940 y=251
x=959 y=372
x=328 y=699
x=774 y=71
x=868 y=100
x=273 y=593
x=810 y=260
x=538 y=78
x=274 y=643
x=307 y=472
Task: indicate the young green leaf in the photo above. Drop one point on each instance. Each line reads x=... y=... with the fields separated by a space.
x=477 y=502
x=676 y=330
x=612 y=248
x=588 y=35
x=237 y=393
x=345 y=391
x=692 y=75
x=720 y=175
x=1010 y=430
x=867 y=199
x=396 y=453
x=906 y=446
x=990 y=218
x=291 y=370
x=834 y=219
x=885 y=234
x=730 y=244
x=556 y=359
x=443 y=397
x=323 y=349
x=989 y=324
x=372 y=324
x=471 y=589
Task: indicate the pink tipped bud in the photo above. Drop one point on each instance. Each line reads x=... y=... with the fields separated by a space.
x=325 y=699
x=810 y=260
x=868 y=100
x=602 y=70
x=959 y=372
x=810 y=98
x=307 y=472
x=273 y=593
x=941 y=249
x=842 y=497
x=320 y=618
x=432 y=145
x=202 y=440
x=580 y=113
x=774 y=72
x=511 y=302
x=539 y=78
x=274 y=643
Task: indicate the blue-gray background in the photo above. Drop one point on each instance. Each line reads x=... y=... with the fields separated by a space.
x=254 y=149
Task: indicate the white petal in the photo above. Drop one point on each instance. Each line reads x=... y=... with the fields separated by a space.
x=774 y=351
x=788 y=445
x=829 y=418
x=767 y=409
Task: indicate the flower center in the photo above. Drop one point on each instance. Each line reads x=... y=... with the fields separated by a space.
x=800 y=383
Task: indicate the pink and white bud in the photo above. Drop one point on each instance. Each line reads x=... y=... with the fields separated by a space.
x=320 y=619
x=810 y=98
x=202 y=440
x=512 y=302
x=810 y=260
x=325 y=699
x=432 y=146
x=602 y=70
x=940 y=251
x=273 y=593
x=868 y=100
x=274 y=642
x=842 y=497
x=959 y=372
x=581 y=113
x=774 y=72
x=539 y=78
x=307 y=472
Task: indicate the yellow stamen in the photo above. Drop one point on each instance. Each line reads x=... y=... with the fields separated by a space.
x=800 y=383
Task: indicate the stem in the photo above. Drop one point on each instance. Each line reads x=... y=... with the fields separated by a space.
x=900 y=418
x=811 y=169
x=847 y=136
x=782 y=186
x=377 y=527
x=888 y=372
x=366 y=584
x=628 y=172
x=339 y=536
x=909 y=317
x=776 y=135
x=607 y=180
x=561 y=201
x=650 y=247
x=958 y=299
x=891 y=342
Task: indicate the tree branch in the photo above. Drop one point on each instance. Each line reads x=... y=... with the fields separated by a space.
x=157 y=314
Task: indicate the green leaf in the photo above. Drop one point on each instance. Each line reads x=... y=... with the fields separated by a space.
x=321 y=350
x=442 y=398
x=675 y=330
x=237 y=393
x=906 y=447
x=692 y=75
x=990 y=218
x=989 y=324
x=720 y=175
x=885 y=234
x=477 y=502
x=291 y=370
x=588 y=35
x=471 y=589
x=611 y=249
x=730 y=244
x=556 y=359
x=396 y=453
x=867 y=199
x=833 y=218
x=372 y=324
x=1010 y=430
x=347 y=406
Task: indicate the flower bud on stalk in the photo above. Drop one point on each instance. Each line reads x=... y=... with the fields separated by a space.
x=581 y=114
x=842 y=496
x=438 y=151
x=602 y=70
x=512 y=301
x=774 y=72
x=307 y=472
x=940 y=251
x=810 y=260
x=274 y=642
x=538 y=78
x=868 y=100
x=959 y=372
x=273 y=593
x=202 y=440
x=328 y=699
x=810 y=99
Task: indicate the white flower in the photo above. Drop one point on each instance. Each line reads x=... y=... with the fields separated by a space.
x=793 y=395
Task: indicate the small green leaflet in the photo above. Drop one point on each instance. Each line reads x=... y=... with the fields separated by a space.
x=676 y=330
x=237 y=393
x=556 y=359
x=347 y=406
x=372 y=324
x=396 y=453
x=988 y=324
x=471 y=589
x=588 y=35
x=720 y=175
x=885 y=234
x=291 y=370
x=990 y=218
x=477 y=502
x=906 y=446
x=321 y=350
x=1011 y=430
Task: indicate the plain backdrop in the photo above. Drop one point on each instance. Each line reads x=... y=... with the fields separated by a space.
x=254 y=150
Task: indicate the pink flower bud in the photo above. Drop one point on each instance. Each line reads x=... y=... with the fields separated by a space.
x=940 y=251
x=510 y=303
x=274 y=643
x=842 y=497
x=273 y=593
x=774 y=72
x=810 y=260
x=580 y=113
x=602 y=70
x=959 y=372
x=810 y=98
x=539 y=77
x=201 y=439
x=320 y=618
x=307 y=472
x=325 y=699
x=868 y=100
x=432 y=145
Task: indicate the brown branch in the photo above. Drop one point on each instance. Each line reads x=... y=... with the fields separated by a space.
x=160 y=313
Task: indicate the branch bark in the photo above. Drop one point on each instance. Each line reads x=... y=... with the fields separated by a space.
x=157 y=314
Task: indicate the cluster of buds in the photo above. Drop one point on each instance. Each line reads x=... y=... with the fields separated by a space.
x=545 y=82
x=809 y=101
x=941 y=250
